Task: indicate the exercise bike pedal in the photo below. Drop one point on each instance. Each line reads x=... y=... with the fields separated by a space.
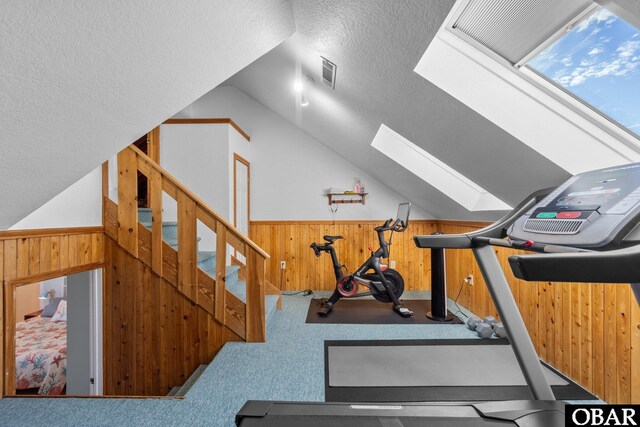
x=403 y=311
x=325 y=308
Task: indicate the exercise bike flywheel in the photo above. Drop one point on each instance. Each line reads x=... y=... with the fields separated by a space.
x=347 y=286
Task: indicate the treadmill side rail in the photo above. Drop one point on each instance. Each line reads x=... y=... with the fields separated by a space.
x=516 y=329
x=616 y=266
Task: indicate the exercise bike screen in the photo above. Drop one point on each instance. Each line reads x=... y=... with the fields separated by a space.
x=403 y=213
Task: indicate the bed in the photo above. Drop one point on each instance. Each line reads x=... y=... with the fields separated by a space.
x=41 y=355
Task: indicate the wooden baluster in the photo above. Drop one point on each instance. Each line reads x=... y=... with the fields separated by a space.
x=187 y=247
x=2 y=285
x=256 y=323
x=221 y=267
x=155 y=184
x=128 y=201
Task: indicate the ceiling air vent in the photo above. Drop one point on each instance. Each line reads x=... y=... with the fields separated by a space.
x=329 y=72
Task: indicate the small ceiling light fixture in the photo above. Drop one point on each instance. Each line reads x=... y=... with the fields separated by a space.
x=303 y=100
x=298 y=85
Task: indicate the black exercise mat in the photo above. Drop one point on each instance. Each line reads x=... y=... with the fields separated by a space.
x=372 y=312
x=570 y=391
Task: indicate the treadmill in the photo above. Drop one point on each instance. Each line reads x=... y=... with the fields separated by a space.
x=586 y=230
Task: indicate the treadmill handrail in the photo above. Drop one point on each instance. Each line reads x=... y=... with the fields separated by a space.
x=497 y=230
x=615 y=266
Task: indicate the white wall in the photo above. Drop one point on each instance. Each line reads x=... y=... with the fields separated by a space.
x=197 y=155
x=84 y=333
x=79 y=334
x=290 y=170
x=80 y=205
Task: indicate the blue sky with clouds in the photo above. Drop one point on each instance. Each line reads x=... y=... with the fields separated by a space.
x=598 y=61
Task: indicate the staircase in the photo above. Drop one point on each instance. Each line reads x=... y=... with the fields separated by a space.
x=172 y=305
x=207 y=263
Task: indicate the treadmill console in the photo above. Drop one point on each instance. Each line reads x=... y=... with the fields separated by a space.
x=596 y=209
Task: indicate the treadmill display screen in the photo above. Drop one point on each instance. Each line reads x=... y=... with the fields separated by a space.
x=613 y=191
x=595 y=209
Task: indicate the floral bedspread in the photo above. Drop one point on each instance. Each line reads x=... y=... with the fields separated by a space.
x=41 y=355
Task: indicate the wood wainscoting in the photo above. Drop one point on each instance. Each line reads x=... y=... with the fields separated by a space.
x=154 y=337
x=30 y=256
x=289 y=241
x=590 y=332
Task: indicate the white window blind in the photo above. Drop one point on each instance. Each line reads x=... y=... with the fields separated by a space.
x=514 y=28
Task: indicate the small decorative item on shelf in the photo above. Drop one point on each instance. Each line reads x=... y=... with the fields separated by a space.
x=337 y=196
x=357 y=188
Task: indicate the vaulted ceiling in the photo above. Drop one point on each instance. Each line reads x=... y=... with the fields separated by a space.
x=376 y=45
x=81 y=80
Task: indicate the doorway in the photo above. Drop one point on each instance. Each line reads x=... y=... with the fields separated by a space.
x=56 y=347
x=241 y=193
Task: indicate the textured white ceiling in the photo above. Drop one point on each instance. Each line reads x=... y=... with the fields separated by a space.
x=81 y=79
x=376 y=44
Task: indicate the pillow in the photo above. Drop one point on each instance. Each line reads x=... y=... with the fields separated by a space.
x=51 y=308
x=61 y=312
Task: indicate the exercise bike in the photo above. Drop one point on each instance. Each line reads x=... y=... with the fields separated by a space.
x=384 y=284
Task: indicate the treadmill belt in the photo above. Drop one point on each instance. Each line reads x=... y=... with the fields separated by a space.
x=432 y=370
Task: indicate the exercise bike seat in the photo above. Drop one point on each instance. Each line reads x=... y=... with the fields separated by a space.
x=331 y=239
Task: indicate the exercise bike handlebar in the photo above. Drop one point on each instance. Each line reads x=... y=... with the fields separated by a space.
x=394 y=224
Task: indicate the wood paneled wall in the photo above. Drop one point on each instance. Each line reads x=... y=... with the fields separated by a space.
x=33 y=255
x=289 y=241
x=589 y=331
x=28 y=256
x=154 y=336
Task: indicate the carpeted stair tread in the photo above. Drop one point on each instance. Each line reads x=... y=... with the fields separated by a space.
x=207 y=260
x=174 y=242
x=231 y=273
x=191 y=380
x=271 y=307
x=164 y=223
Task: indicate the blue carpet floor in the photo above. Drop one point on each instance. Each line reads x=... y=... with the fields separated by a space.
x=290 y=366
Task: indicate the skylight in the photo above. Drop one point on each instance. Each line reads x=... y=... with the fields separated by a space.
x=449 y=181
x=598 y=61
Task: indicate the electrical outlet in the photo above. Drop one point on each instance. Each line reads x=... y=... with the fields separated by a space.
x=469 y=280
x=392 y=264
x=283 y=265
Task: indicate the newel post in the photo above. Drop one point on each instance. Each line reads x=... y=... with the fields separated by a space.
x=128 y=201
x=256 y=312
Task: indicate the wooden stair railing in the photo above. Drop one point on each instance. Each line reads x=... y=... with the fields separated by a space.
x=191 y=281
